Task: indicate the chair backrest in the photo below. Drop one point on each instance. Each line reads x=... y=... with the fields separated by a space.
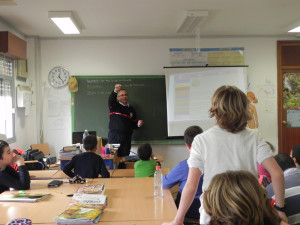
x=42 y=147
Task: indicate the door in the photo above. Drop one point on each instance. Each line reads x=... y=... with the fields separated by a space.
x=288 y=81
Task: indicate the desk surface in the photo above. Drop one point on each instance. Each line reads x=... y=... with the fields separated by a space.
x=129 y=200
x=130 y=172
x=42 y=174
x=104 y=157
x=123 y=159
x=61 y=175
x=51 y=174
x=117 y=159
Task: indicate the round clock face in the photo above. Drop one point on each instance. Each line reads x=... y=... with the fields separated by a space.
x=59 y=77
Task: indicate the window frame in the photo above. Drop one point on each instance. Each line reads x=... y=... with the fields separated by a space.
x=11 y=79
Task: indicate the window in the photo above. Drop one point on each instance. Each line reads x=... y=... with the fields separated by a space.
x=7 y=102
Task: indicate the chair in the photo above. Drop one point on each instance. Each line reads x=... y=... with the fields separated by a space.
x=42 y=147
x=45 y=148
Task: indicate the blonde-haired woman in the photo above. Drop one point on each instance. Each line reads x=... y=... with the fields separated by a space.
x=236 y=198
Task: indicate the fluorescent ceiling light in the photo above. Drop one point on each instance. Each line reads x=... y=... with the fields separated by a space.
x=192 y=20
x=64 y=21
x=294 y=27
x=295 y=30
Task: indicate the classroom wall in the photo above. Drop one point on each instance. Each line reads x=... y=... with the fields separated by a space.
x=25 y=126
x=149 y=56
x=50 y=117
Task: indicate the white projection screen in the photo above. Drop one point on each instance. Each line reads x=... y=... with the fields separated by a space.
x=189 y=91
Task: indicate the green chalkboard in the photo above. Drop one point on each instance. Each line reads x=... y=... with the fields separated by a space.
x=147 y=94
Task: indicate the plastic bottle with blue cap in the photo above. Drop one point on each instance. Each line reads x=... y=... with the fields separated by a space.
x=85 y=133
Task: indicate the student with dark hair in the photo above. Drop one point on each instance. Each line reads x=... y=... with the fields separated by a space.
x=179 y=175
x=229 y=145
x=295 y=154
x=9 y=178
x=145 y=167
x=88 y=164
x=292 y=187
x=284 y=161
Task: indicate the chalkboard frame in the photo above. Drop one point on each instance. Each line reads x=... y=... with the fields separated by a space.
x=161 y=141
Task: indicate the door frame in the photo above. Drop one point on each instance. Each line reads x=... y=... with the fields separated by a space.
x=285 y=64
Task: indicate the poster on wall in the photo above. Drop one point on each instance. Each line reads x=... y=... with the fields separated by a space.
x=207 y=56
x=293 y=118
x=253 y=122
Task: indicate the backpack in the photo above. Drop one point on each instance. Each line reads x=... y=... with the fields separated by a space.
x=34 y=154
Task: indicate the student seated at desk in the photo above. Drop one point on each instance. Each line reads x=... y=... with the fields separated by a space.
x=88 y=164
x=179 y=175
x=9 y=178
x=146 y=166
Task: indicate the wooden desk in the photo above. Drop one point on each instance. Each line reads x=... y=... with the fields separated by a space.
x=130 y=165
x=61 y=175
x=109 y=160
x=123 y=159
x=130 y=172
x=42 y=174
x=44 y=211
x=130 y=201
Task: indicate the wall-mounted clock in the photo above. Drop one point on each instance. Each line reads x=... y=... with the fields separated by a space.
x=59 y=77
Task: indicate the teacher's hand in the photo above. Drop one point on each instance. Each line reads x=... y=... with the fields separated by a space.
x=117 y=88
x=140 y=123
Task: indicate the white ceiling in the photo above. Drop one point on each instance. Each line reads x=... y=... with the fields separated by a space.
x=152 y=18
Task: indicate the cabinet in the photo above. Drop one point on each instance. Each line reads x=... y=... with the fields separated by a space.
x=13 y=46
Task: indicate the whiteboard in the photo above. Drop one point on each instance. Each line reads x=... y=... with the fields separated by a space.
x=189 y=91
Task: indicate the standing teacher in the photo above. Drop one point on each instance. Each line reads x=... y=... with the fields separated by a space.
x=122 y=120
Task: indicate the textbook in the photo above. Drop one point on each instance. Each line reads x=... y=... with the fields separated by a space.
x=80 y=213
x=95 y=199
x=23 y=197
x=86 y=206
x=92 y=189
x=69 y=148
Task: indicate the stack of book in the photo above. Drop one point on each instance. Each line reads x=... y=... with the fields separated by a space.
x=68 y=152
x=86 y=206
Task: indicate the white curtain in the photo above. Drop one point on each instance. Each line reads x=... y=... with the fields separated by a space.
x=6 y=113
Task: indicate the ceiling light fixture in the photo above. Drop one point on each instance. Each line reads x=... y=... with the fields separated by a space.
x=65 y=22
x=294 y=28
x=193 y=19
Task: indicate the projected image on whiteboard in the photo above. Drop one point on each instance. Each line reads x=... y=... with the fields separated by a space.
x=189 y=93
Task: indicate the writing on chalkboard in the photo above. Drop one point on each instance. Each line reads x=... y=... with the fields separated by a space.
x=96 y=86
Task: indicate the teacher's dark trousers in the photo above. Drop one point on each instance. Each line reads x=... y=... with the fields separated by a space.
x=123 y=139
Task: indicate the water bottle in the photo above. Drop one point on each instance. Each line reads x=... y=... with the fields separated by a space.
x=85 y=133
x=158 y=183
